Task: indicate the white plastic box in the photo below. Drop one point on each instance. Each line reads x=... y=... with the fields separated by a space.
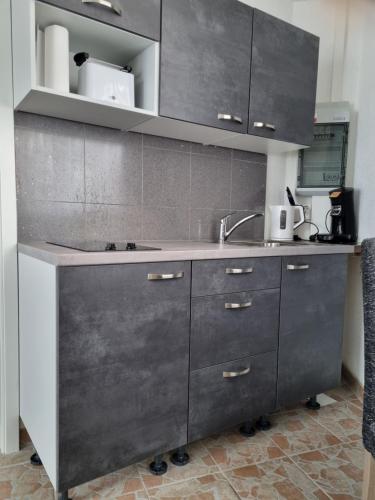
x=106 y=82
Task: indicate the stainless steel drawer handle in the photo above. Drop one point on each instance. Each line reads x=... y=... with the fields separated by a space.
x=106 y=4
x=267 y=126
x=240 y=373
x=244 y=305
x=246 y=270
x=174 y=276
x=296 y=267
x=229 y=118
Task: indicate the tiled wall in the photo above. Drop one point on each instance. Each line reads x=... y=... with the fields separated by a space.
x=81 y=181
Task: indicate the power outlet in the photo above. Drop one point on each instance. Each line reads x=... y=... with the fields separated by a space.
x=307 y=212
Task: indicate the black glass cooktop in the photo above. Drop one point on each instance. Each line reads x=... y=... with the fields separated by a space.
x=103 y=246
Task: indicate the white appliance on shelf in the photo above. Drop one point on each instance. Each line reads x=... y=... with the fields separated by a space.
x=283 y=221
x=104 y=81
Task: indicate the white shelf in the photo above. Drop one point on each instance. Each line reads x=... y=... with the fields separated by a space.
x=101 y=41
x=44 y=101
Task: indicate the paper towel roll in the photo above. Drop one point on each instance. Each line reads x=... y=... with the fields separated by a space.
x=56 y=58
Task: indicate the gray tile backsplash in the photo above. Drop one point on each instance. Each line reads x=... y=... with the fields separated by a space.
x=80 y=181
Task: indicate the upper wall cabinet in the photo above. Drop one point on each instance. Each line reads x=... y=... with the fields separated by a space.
x=138 y=16
x=101 y=41
x=283 y=80
x=205 y=62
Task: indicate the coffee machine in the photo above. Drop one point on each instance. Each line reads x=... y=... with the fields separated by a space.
x=343 y=226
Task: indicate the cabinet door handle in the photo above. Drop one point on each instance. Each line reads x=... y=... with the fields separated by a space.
x=244 y=305
x=267 y=126
x=240 y=373
x=297 y=267
x=246 y=270
x=106 y=4
x=229 y=118
x=174 y=276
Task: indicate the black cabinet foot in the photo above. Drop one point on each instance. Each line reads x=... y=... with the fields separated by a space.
x=158 y=467
x=35 y=459
x=312 y=404
x=263 y=424
x=62 y=495
x=247 y=429
x=180 y=457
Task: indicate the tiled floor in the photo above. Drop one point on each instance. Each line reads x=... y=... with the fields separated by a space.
x=306 y=455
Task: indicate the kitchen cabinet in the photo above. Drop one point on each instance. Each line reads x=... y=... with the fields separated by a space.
x=205 y=62
x=283 y=80
x=121 y=362
x=311 y=325
x=121 y=368
x=138 y=16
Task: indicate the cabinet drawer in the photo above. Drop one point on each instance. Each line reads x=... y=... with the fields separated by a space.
x=217 y=402
x=226 y=327
x=138 y=16
x=235 y=275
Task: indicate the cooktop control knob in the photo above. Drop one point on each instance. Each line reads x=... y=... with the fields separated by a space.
x=131 y=246
x=110 y=247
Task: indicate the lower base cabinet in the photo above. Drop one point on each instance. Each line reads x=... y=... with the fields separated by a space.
x=228 y=394
x=122 y=362
x=311 y=325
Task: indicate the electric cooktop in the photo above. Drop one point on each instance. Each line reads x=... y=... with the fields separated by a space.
x=102 y=246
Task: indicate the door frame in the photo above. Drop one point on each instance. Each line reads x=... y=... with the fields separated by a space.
x=9 y=358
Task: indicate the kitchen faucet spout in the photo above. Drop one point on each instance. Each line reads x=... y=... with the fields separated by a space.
x=225 y=232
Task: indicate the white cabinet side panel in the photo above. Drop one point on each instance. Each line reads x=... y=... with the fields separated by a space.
x=38 y=357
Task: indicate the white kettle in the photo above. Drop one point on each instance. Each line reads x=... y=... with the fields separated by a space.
x=283 y=221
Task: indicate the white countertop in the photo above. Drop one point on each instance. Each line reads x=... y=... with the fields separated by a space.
x=175 y=251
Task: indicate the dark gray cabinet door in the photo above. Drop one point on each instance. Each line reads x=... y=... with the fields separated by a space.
x=283 y=80
x=217 y=403
x=205 y=62
x=123 y=366
x=311 y=325
x=227 y=327
x=138 y=16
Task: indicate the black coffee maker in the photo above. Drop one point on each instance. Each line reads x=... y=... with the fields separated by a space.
x=343 y=227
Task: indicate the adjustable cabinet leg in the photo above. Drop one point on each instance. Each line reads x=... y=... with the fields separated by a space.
x=35 y=459
x=62 y=495
x=263 y=424
x=158 y=467
x=247 y=429
x=180 y=457
x=312 y=404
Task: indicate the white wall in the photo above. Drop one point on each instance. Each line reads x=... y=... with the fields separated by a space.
x=9 y=423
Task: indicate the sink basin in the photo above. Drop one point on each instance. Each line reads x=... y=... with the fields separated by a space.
x=263 y=243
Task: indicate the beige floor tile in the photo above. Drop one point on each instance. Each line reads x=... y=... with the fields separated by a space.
x=25 y=482
x=343 y=419
x=230 y=449
x=337 y=470
x=342 y=393
x=295 y=432
x=277 y=479
x=201 y=464
x=210 y=487
x=20 y=457
x=125 y=484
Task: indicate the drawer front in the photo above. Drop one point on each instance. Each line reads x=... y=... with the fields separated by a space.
x=121 y=338
x=235 y=275
x=217 y=402
x=138 y=16
x=226 y=327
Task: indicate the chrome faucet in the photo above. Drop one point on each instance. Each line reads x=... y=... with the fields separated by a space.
x=225 y=233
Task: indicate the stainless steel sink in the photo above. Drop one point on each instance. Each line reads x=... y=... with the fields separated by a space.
x=263 y=243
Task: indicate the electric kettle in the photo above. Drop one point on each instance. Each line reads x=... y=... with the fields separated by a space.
x=283 y=221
